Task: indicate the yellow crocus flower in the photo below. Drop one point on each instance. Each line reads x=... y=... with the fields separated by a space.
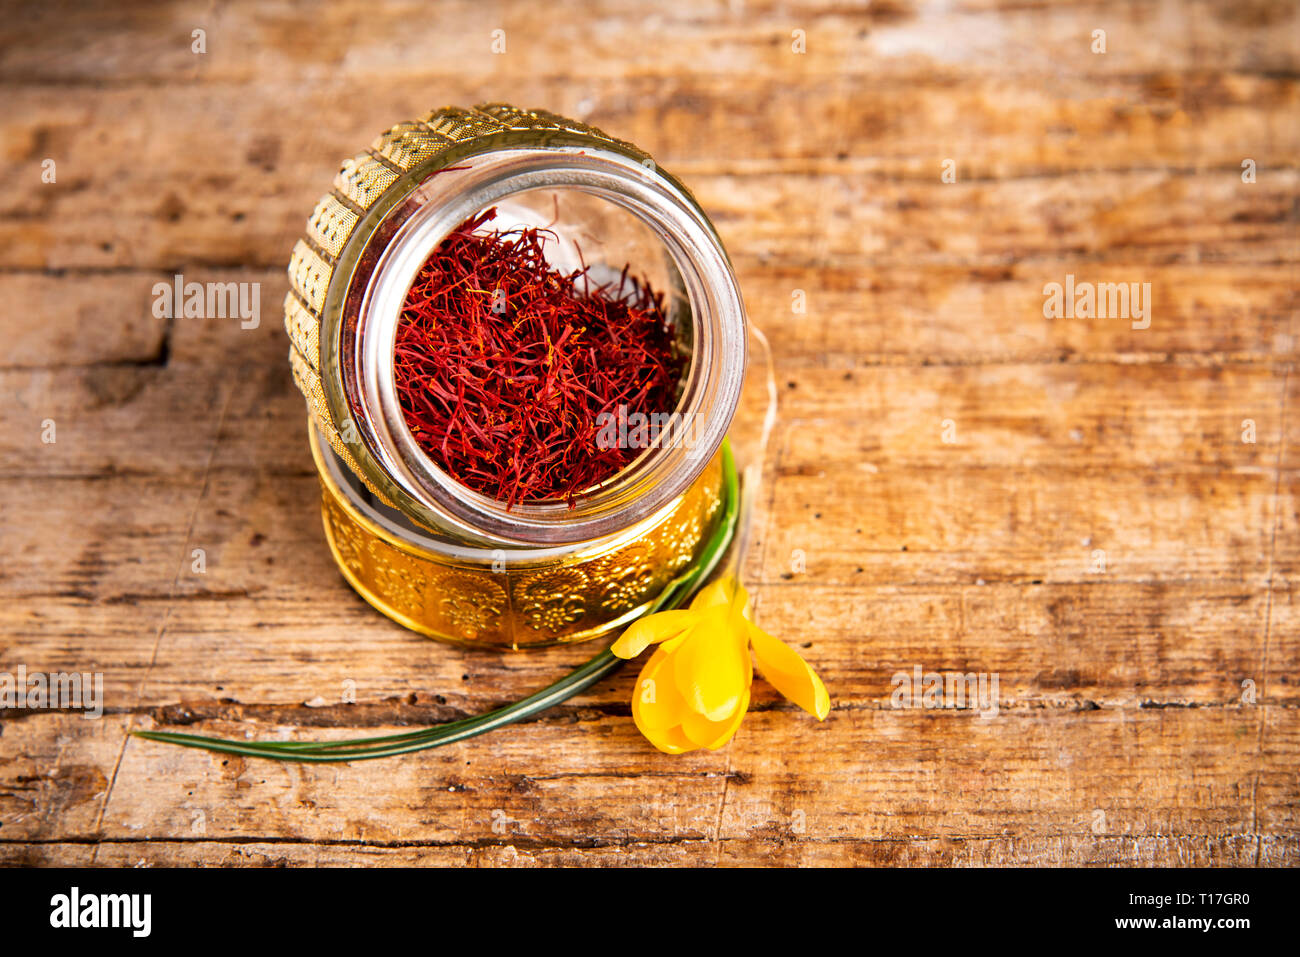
x=694 y=691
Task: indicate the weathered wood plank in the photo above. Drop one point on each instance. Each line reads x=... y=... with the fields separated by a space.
x=955 y=634
x=56 y=772
x=1125 y=220
x=840 y=184
x=794 y=851
x=62 y=321
x=290 y=42
x=993 y=127
x=1195 y=417
x=264 y=658
x=957 y=314
x=1147 y=522
x=862 y=774
x=936 y=315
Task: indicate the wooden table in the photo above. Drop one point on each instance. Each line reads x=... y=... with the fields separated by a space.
x=1103 y=516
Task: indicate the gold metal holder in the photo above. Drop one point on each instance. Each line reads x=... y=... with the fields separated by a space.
x=507 y=599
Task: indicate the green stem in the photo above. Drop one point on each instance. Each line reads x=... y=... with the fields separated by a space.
x=599 y=667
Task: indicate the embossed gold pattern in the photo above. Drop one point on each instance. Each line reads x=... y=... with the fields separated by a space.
x=494 y=602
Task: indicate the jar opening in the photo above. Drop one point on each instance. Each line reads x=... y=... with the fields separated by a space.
x=543 y=347
x=610 y=208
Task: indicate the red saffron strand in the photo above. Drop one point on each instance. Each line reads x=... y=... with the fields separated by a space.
x=504 y=368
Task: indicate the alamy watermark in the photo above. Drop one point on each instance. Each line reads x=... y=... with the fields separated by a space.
x=58 y=690
x=74 y=909
x=212 y=300
x=641 y=430
x=1102 y=300
x=949 y=689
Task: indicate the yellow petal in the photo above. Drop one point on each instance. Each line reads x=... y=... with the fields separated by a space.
x=715 y=593
x=738 y=626
x=671 y=741
x=788 y=673
x=714 y=734
x=739 y=599
x=671 y=644
x=650 y=629
x=656 y=704
x=738 y=611
x=711 y=668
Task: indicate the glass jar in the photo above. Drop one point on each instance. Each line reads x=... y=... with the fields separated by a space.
x=431 y=553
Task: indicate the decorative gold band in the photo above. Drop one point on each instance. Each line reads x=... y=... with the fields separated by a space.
x=518 y=599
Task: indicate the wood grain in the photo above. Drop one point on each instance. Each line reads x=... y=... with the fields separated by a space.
x=956 y=482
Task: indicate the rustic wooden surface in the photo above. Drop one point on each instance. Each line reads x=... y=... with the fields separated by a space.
x=1124 y=734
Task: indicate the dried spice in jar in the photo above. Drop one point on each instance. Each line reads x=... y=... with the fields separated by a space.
x=480 y=297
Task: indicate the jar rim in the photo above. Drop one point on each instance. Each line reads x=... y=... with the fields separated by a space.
x=399 y=244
